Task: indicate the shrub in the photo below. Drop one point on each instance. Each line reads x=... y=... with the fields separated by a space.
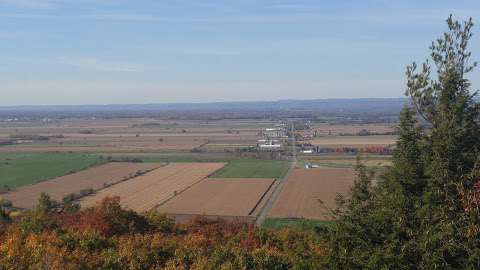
x=86 y=191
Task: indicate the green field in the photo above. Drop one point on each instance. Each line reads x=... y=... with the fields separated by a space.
x=173 y=157
x=237 y=167
x=278 y=223
x=253 y=168
x=19 y=169
x=334 y=165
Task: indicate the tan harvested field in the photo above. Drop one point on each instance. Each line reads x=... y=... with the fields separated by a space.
x=133 y=135
x=335 y=129
x=232 y=197
x=95 y=178
x=304 y=188
x=354 y=141
x=125 y=126
x=145 y=192
x=265 y=199
x=110 y=144
x=378 y=160
x=219 y=197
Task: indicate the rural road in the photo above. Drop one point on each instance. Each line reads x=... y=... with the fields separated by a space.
x=281 y=182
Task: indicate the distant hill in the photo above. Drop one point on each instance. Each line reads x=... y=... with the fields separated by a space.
x=364 y=105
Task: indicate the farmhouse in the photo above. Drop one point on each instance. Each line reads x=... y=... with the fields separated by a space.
x=270 y=145
x=277 y=132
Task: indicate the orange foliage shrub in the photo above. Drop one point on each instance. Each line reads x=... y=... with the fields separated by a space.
x=109 y=237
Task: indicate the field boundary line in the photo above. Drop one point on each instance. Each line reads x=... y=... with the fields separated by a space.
x=116 y=183
x=178 y=193
x=273 y=197
x=262 y=197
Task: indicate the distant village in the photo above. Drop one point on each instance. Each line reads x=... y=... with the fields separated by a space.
x=272 y=138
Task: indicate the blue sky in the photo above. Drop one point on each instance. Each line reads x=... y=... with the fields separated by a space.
x=121 y=51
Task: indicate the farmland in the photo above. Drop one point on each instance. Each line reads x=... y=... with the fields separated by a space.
x=93 y=178
x=354 y=141
x=221 y=197
x=333 y=129
x=134 y=135
x=19 y=169
x=347 y=161
x=250 y=168
x=174 y=157
x=308 y=192
x=145 y=192
x=223 y=150
x=120 y=150
x=110 y=143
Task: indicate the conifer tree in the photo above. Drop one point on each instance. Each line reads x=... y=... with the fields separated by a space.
x=375 y=227
x=425 y=213
x=450 y=108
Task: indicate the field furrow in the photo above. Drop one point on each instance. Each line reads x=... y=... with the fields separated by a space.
x=145 y=192
x=92 y=178
x=219 y=197
x=308 y=193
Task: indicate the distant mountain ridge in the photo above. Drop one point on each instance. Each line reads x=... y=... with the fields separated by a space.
x=381 y=105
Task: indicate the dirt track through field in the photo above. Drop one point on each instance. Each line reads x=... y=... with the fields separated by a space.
x=305 y=187
x=217 y=196
x=95 y=178
x=145 y=192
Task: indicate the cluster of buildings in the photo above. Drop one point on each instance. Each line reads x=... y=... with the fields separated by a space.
x=272 y=138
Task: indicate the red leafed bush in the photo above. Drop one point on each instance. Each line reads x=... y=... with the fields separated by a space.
x=109 y=237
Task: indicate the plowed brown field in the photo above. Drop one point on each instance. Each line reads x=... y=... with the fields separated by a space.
x=354 y=141
x=219 y=197
x=305 y=187
x=96 y=143
x=95 y=178
x=335 y=129
x=145 y=192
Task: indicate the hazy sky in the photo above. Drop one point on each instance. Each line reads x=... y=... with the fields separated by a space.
x=121 y=51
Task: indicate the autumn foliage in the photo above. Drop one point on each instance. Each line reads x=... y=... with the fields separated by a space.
x=109 y=237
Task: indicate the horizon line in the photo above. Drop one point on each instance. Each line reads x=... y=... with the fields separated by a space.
x=200 y=102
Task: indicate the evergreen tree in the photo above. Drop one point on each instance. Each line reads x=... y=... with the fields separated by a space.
x=353 y=231
x=375 y=227
x=447 y=104
x=408 y=164
x=402 y=189
x=425 y=213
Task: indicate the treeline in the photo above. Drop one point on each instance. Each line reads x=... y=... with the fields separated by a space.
x=381 y=150
x=109 y=237
x=374 y=149
x=366 y=132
